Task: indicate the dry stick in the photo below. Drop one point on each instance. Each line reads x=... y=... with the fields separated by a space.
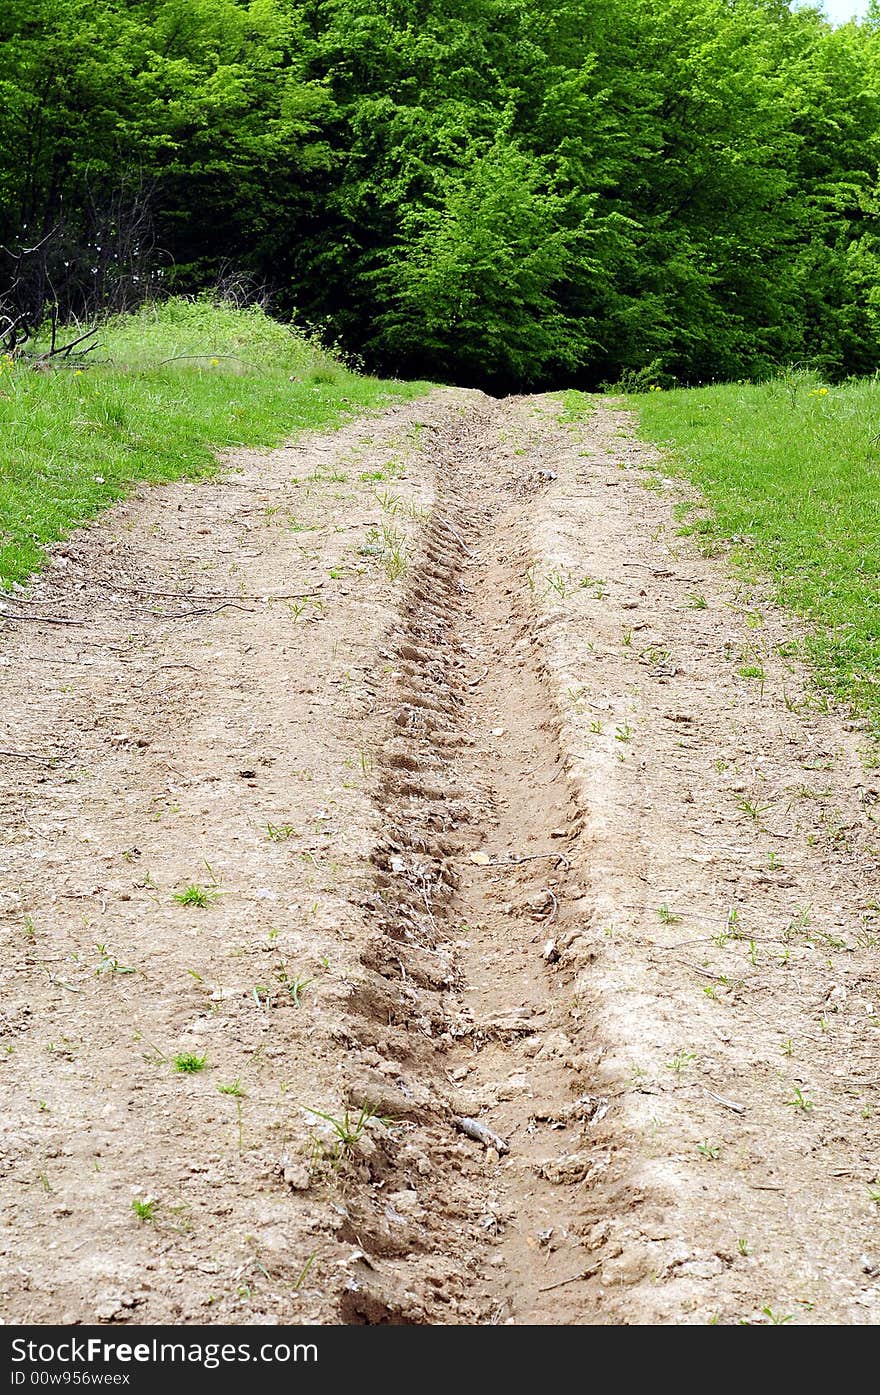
x=161 y=669
x=697 y=970
x=41 y=619
x=188 y=614
x=515 y=860
x=728 y=1104
x=28 y=755
x=458 y=538
x=560 y=1283
x=554 y=908
x=174 y=358
x=204 y=596
x=66 y=348
x=664 y=571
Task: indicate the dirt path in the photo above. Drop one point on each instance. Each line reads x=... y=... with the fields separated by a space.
x=506 y=807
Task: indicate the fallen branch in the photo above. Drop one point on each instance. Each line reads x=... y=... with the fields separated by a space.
x=64 y=350
x=458 y=538
x=175 y=357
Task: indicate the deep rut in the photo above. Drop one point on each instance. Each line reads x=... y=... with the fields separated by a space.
x=473 y=907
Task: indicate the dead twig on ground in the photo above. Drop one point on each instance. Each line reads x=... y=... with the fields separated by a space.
x=201 y=610
x=148 y=591
x=572 y=1279
x=161 y=669
x=728 y=1104
x=458 y=538
x=514 y=860
x=29 y=755
x=40 y=619
x=472 y=1128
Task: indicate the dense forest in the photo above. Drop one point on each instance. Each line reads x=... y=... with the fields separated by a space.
x=503 y=192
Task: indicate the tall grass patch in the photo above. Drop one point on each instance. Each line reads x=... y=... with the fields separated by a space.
x=168 y=388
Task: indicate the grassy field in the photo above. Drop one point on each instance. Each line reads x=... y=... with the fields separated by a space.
x=170 y=386
x=791 y=472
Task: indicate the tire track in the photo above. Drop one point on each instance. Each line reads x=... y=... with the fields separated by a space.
x=456 y=1014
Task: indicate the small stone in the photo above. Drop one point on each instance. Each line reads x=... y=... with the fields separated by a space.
x=555 y=1044
x=597 y=1235
x=296 y=1174
x=630 y=1265
x=702 y=1268
x=107 y=1308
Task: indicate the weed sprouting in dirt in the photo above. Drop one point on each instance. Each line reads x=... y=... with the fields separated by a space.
x=776 y=1319
x=196 y=895
x=188 y=1063
x=799 y=1102
x=280 y=832
x=754 y=809
x=347 y=1131
x=296 y=987
x=304 y=1272
x=108 y=962
x=680 y=1061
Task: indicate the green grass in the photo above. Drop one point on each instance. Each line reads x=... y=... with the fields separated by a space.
x=73 y=442
x=195 y=895
x=189 y=1064
x=791 y=472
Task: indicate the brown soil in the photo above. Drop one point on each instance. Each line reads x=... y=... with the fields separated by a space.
x=492 y=829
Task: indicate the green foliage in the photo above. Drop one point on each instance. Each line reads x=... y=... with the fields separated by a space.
x=791 y=469
x=72 y=442
x=499 y=191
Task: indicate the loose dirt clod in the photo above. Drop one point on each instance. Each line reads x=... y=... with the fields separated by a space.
x=533 y=976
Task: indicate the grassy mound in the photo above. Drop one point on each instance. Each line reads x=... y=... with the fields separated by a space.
x=169 y=387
